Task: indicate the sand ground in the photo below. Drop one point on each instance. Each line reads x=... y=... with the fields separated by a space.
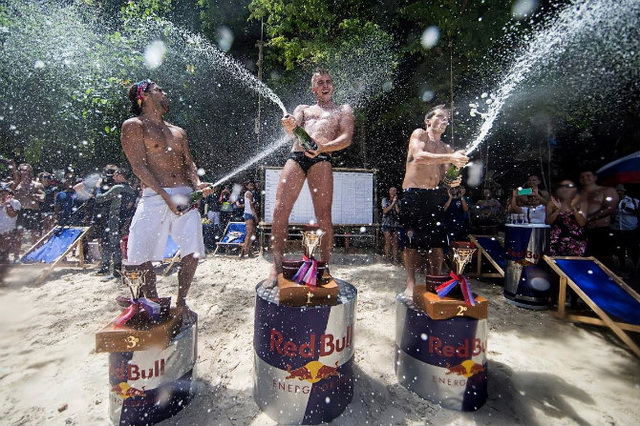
x=542 y=370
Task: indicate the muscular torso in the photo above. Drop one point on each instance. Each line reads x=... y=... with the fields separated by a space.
x=165 y=154
x=426 y=176
x=595 y=199
x=322 y=124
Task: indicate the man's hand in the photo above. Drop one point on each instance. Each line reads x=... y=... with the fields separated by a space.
x=207 y=189
x=456 y=182
x=313 y=153
x=459 y=159
x=289 y=123
x=173 y=206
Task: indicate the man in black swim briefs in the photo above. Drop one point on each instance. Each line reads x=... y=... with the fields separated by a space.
x=306 y=162
x=421 y=214
x=331 y=127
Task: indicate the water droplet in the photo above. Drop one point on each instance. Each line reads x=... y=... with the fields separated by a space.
x=430 y=37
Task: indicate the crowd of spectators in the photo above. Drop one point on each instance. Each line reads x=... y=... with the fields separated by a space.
x=105 y=201
x=585 y=219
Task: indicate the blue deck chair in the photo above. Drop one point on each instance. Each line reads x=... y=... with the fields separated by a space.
x=171 y=254
x=233 y=236
x=616 y=305
x=53 y=248
x=490 y=248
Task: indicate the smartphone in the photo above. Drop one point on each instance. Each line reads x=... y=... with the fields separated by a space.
x=525 y=191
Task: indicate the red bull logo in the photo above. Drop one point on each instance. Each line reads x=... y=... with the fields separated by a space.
x=316 y=347
x=313 y=372
x=460 y=373
x=470 y=347
x=129 y=372
x=125 y=391
x=467 y=368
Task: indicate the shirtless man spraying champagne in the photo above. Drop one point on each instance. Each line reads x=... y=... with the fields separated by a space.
x=421 y=208
x=159 y=155
x=331 y=128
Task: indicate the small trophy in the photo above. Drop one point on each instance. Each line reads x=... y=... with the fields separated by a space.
x=307 y=273
x=306 y=282
x=310 y=240
x=461 y=252
x=135 y=281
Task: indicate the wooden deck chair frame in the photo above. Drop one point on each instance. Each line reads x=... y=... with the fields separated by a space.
x=226 y=229
x=483 y=254
x=60 y=260
x=172 y=261
x=604 y=319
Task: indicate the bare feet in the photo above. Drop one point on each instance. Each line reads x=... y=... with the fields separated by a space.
x=272 y=279
x=409 y=290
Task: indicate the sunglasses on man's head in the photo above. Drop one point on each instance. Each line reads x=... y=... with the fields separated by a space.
x=569 y=185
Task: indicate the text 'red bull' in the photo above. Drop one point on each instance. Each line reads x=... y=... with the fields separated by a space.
x=470 y=347
x=325 y=345
x=125 y=371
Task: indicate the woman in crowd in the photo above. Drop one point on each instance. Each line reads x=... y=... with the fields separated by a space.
x=567 y=218
x=250 y=218
x=391 y=225
x=531 y=206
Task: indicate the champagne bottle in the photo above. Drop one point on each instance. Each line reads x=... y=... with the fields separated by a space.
x=451 y=175
x=304 y=139
x=193 y=198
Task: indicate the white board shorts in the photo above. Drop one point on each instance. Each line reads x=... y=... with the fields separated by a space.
x=152 y=224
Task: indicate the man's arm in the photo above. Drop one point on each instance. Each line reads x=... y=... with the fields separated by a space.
x=420 y=156
x=609 y=203
x=112 y=193
x=345 y=136
x=192 y=169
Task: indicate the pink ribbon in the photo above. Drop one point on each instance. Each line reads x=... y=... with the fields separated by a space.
x=445 y=288
x=307 y=273
x=150 y=307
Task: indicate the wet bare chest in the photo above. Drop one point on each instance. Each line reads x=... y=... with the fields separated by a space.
x=164 y=145
x=322 y=124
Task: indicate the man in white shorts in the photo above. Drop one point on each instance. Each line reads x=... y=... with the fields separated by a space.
x=159 y=155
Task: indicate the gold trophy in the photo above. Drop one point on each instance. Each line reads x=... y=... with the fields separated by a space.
x=306 y=282
x=451 y=296
x=310 y=240
x=461 y=254
x=135 y=281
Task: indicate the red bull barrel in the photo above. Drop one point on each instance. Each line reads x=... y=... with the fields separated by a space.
x=526 y=283
x=444 y=361
x=303 y=359
x=149 y=386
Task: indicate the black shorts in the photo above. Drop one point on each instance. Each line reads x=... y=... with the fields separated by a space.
x=600 y=241
x=305 y=162
x=30 y=219
x=422 y=217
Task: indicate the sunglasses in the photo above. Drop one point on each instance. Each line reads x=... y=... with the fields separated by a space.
x=569 y=185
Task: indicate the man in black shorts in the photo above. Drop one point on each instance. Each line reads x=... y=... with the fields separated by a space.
x=421 y=209
x=331 y=127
